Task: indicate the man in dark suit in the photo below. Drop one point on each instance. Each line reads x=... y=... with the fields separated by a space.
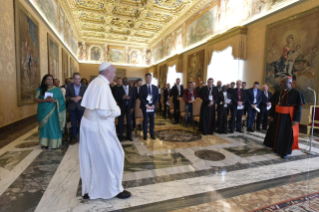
x=137 y=88
x=74 y=94
x=177 y=91
x=125 y=97
x=200 y=86
x=238 y=100
x=149 y=98
x=119 y=84
x=243 y=86
x=219 y=86
x=167 y=95
x=254 y=96
x=264 y=113
x=223 y=104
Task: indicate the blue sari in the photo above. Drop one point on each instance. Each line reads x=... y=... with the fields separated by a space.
x=51 y=118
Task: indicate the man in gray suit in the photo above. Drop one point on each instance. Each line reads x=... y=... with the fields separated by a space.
x=74 y=94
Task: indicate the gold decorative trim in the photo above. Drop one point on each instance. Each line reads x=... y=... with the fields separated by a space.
x=119 y=31
x=241 y=30
x=100 y=6
x=175 y=57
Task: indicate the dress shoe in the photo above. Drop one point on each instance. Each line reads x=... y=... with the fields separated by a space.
x=86 y=196
x=224 y=132
x=129 y=139
x=73 y=141
x=124 y=195
x=153 y=136
x=145 y=137
x=231 y=131
x=250 y=130
x=284 y=156
x=240 y=131
x=220 y=132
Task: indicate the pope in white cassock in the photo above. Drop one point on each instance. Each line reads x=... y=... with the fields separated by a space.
x=101 y=154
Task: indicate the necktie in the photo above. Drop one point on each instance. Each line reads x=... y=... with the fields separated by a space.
x=168 y=91
x=149 y=89
x=266 y=94
x=126 y=93
x=138 y=89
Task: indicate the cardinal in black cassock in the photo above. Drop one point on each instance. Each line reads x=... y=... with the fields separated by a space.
x=285 y=115
x=209 y=95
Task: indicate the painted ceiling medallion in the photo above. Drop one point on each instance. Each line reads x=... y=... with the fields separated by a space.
x=93 y=27
x=93 y=34
x=92 y=17
x=138 y=3
x=170 y=5
x=119 y=31
x=122 y=23
x=90 y=5
x=163 y=18
x=150 y=26
x=116 y=37
x=126 y=11
x=143 y=34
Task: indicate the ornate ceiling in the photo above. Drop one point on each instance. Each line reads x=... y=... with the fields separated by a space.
x=125 y=22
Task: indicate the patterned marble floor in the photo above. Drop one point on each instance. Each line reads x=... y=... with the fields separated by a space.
x=180 y=170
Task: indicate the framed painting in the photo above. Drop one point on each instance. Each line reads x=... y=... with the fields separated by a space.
x=72 y=67
x=96 y=53
x=27 y=44
x=158 y=52
x=53 y=57
x=202 y=25
x=120 y=73
x=162 y=76
x=117 y=54
x=65 y=65
x=291 y=49
x=195 y=67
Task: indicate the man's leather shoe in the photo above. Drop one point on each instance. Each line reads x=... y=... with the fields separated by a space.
x=231 y=131
x=145 y=137
x=129 y=139
x=240 y=131
x=284 y=157
x=73 y=141
x=224 y=132
x=124 y=195
x=86 y=196
x=153 y=136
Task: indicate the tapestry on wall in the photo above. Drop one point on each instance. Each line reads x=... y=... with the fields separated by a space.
x=53 y=56
x=162 y=76
x=120 y=73
x=292 y=50
x=72 y=67
x=195 y=67
x=65 y=65
x=27 y=54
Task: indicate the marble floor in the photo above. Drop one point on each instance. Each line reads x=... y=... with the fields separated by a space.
x=181 y=170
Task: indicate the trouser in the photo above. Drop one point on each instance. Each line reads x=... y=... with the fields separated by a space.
x=262 y=117
x=165 y=111
x=251 y=117
x=75 y=116
x=133 y=119
x=222 y=119
x=176 y=111
x=236 y=114
x=147 y=116
x=188 y=110
x=125 y=112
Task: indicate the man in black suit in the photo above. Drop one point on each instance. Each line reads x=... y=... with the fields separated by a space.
x=219 y=86
x=177 y=91
x=264 y=112
x=167 y=95
x=149 y=98
x=254 y=96
x=137 y=88
x=238 y=100
x=125 y=97
x=224 y=101
x=119 y=84
x=74 y=94
x=243 y=86
x=200 y=86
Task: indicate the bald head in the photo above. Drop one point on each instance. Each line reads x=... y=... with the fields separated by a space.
x=265 y=87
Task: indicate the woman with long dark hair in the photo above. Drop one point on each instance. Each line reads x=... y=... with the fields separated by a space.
x=51 y=113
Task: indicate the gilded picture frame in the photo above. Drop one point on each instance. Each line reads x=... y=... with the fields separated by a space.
x=53 y=57
x=27 y=45
x=65 y=65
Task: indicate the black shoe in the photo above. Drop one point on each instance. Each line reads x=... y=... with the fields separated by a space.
x=284 y=156
x=240 y=131
x=145 y=137
x=231 y=131
x=250 y=130
x=220 y=132
x=86 y=196
x=121 y=139
x=257 y=129
x=224 y=132
x=153 y=136
x=212 y=134
x=124 y=195
x=129 y=139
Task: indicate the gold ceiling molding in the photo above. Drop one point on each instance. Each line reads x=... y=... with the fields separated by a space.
x=150 y=26
x=116 y=37
x=119 y=31
x=92 y=17
x=122 y=23
x=139 y=40
x=158 y=17
x=71 y=17
x=93 y=27
x=240 y=30
x=144 y=34
x=90 y=5
x=139 y=3
x=126 y=11
x=169 y=5
x=93 y=34
x=175 y=57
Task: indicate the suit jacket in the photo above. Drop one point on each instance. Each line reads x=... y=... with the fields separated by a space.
x=263 y=103
x=143 y=96
x=222 y=99
x=70 y=92
x=174 y=93
x=137 y=93
x=234 y=97
x=218 y=89
x=250 y=97
x=187 y=95
x=166 y=94
x=205 y=95
x=120 y=92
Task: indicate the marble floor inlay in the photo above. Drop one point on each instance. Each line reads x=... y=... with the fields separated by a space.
x=10 y=159
x=177 y=135
x=209 y=155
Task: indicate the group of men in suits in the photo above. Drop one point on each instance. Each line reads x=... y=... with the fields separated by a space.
x=226 y=99
x=126 y=96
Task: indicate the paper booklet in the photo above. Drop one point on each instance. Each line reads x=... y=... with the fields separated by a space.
x=240 y=107
x=268 y=107
x=48 y=94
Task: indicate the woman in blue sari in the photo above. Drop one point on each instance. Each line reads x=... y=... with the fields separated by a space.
x=51 y=113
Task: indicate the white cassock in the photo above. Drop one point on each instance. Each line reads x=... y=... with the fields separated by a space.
x=101 y=153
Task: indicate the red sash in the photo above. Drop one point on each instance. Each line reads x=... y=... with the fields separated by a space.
x=290 y=110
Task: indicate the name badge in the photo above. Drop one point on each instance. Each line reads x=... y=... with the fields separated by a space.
x=210 y=97
x=149 y=98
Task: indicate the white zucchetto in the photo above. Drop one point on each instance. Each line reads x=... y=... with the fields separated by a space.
x=104 y=66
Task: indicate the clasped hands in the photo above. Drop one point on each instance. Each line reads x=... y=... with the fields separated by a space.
x=126 y=97
x=240 y=103
x=50 y=99
x=253 y=106
x=76 y=99
x=150 y=107
x=211 y=103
